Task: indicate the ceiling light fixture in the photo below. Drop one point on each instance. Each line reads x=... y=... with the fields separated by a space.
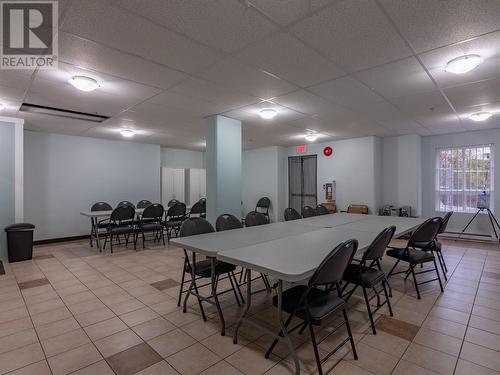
x=84 y=83
x=311 y=137
x=127 y=133
x=480 y=116
x=267 y=113
x=463 y=64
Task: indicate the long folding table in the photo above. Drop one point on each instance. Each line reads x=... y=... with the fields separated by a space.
x=287 y=251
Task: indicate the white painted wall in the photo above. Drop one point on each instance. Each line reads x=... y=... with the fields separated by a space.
x=178 y=158
x=356 y=167
x=263 y=175
x=7 y=182
x=66 y=174
x=429 y=146
x=402 y=164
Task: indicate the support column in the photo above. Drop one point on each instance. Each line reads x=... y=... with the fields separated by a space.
x=11 y=176
x=223 y=166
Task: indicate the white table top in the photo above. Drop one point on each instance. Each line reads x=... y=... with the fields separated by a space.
x=331 y=220
x=106 y=213
x=294 y=258
x=375 y=224
x=212 y=243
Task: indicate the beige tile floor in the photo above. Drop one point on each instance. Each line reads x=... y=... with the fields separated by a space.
x=73 y=310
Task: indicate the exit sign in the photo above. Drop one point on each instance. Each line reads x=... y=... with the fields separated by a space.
x=300 y=149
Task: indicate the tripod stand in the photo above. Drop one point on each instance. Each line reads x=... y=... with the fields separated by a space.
x=492 y=218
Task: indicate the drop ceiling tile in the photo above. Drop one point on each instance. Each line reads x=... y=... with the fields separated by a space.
x=239 y=77
x=355 y=34
x=53 y=124
x=472 y=94
x=208 y=91
x=290 y=59
x=129 y=91
x=421 y=103
x=11 y=94
x=431 y=24
x=399 y=78
x=100 y=22
x=493 y=122
x=251 y=113
x=17 y=79
x=446 y=119
x=227 y=25
x=287 y=11
x=348 y=92
x=487 y=46
x=307 y=102
x=90 y=55
x=180 y=102
x=146 y=113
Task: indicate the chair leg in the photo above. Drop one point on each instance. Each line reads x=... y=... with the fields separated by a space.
x=442 y=258
x=442 y=267
x=315 y=346
x=367 y=301
x=351 y=339
x=408 y=273
x=238 y=288
x=388 y=300
x=415 y=282
x=439 y=277
x=234 y=289
x=181 y=288
x=393 y=268
x=387 y=281
x=143 y=238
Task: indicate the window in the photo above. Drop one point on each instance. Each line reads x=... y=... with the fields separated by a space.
x=463 y=173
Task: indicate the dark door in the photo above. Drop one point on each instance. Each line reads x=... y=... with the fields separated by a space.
x=302 y=181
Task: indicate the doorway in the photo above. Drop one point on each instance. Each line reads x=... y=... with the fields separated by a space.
x=302 y=181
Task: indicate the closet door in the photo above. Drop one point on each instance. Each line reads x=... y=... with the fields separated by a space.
x=178 y=185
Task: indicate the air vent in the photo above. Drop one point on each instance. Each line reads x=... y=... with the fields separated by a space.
x=58 y=112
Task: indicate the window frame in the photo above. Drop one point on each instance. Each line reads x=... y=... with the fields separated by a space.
x=439 y=190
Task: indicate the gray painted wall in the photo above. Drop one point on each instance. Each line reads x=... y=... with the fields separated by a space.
x=7 y=190
x=178 y=158
x=66 y=174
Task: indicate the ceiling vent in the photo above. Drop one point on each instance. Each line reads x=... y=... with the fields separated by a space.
x=58 y=112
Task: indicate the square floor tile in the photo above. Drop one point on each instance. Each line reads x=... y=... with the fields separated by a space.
x=396 y=327
x=74 y=359
x=33 y=283
x=165 y=284
x=133 y=360
x=117 y=342
x=193 y=360
x=171 y=342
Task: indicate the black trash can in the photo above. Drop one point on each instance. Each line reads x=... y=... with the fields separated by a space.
x=20 y=241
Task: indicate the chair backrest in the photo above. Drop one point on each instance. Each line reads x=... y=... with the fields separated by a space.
x=332 y=268
x=125 y=204
x=322 y=210
x=263 y=203
x=122 y=214
x=153 y=211
x=446 y=218
x=176 y=211
x=171 y=202
x=357 y=209
x=424 y=235
x=101 y=206
x=377 y=248
x=291 y=214
x=198 y=208
x=308 y=211
x=195 y=225
x=255 y=218
x=143 y=204
x=227 y=222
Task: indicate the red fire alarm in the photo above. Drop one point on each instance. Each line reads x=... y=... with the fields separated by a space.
x=327 y=151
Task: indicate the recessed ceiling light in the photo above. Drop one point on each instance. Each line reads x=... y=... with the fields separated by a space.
x=480 y=116
x=311 y=137
x=127 y=133
x=84 y=83
x=267 y=113
x=463 y=64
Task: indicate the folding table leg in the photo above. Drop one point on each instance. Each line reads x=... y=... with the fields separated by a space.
x=248 y=303
x=216 y=299
x=283 y=329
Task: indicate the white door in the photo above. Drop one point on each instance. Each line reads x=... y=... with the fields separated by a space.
x=172 y=185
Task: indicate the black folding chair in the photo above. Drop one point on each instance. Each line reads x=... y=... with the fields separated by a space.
x=322 y=210
x=436 y=246
x=291 y=214
x=417 y=251
x=144 y=203
x=319 y=299
x=101 y=224
x=203 y=269
x=262 y=206
x=199 y=208
x=171 y=202
x=227 y=222
x=368 y=274
x=121 y=222
x=308 y=211
x=255 y=218
x=151 y=222
x=175 y=215
x=125 y=204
